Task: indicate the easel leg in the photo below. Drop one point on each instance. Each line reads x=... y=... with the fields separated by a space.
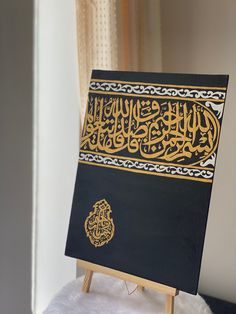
x=140 y=288
x=87 y=281
x=169 y=304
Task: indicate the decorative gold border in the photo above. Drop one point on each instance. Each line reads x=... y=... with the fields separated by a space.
x=157 y=84
x=145 y=160
x=137 y=171
x=153 y=96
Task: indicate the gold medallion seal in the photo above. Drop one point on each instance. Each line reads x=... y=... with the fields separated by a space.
x=99 y=226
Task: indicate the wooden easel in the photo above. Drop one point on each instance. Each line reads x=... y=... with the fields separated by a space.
x=90 y=268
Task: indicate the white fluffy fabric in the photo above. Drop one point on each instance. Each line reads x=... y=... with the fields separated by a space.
x=109 y=295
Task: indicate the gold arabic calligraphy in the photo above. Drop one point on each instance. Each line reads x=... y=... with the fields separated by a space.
x=99 y=226
x=180 y=131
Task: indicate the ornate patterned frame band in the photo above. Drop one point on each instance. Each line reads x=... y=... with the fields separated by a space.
x=150 y=89
x=156 y=129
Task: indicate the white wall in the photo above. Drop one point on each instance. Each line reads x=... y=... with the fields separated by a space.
x=56 y=144
x=16 y=105
x=199 y=37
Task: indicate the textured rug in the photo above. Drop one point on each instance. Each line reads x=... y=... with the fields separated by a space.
x=109 y=295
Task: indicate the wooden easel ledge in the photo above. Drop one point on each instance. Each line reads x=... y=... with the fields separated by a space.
x=141 y=282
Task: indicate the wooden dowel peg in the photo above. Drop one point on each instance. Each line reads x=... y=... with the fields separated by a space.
x=141 y=288
x=169 y=304
x=87 y=281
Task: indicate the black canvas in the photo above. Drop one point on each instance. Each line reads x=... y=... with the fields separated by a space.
x=145 y=173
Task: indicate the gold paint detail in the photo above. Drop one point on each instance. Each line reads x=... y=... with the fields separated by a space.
x=148 y=172
x=158 y=84
x=99 y=225
x=151 y=96
x=139 y=89
x=140 y=160
x=162 y=131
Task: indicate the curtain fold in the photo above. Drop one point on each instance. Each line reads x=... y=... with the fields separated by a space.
x=117 y=35
x=97 y=40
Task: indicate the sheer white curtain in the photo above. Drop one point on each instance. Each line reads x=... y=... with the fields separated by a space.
x=117 y=35
x=97 y=40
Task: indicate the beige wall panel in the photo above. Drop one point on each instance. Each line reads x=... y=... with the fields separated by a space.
x=199 y=37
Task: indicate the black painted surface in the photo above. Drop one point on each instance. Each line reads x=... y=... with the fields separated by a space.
x=219 y=306
x=159 y=221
